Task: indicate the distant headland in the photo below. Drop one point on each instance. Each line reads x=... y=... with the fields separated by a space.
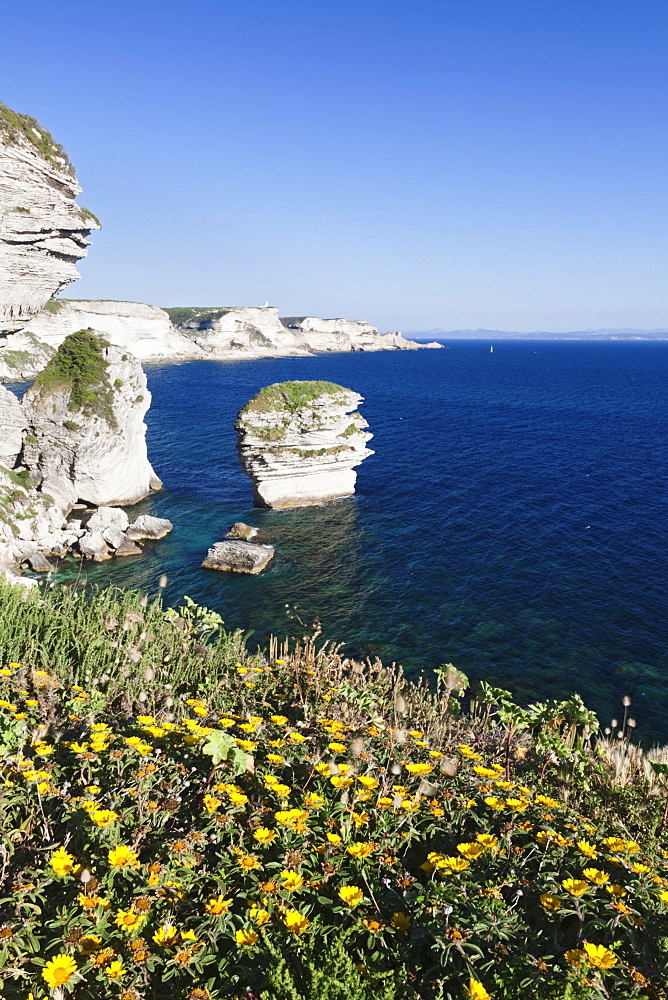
x=623 y=333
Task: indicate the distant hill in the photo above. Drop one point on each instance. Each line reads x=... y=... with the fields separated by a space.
x=623 y=333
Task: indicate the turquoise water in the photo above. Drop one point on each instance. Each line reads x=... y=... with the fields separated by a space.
x=512 y=521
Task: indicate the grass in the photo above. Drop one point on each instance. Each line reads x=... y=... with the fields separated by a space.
x=79 y=367
x=288 y=397
x=15 y=126
x=52 y=306
x=188 y=314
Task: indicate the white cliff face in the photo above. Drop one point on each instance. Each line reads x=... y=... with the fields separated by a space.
x=146 y=331
x=22 y=355
x=92 y=451
x=12 y=427
x=243 y=331
x=300 y=443
x=43 y=232
x=346 y=335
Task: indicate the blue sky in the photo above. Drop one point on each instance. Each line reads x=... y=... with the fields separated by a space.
x=420 y=164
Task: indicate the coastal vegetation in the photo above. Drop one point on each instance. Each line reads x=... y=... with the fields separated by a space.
x=289 y=396
x=14 y=125
x=189 y=314
x=185 y=817
x=79 y=367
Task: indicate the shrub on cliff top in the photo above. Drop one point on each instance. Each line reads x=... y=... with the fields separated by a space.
x=14 y=125
x=290 y=396
x=80 y=367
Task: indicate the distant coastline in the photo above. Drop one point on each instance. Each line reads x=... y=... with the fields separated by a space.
x=623 y=333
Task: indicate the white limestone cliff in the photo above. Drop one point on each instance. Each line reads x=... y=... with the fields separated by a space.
x=144 y=330
x=300 y=443
x=324 y=335
x=43 y=232
x=241 y=331
x=86 y=438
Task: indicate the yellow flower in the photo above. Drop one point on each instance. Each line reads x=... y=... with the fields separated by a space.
x=454 y=864
x=477 y=991
x=295 y=921
x=596 y=876
x=167 y=934
x=495 y=803
x=129 y=921
x=550 y=902
x=351 y=895
x=123 y=857
x=368 y=781
x=259 y=916
x=291 y=880
x=614 y=843
x=104 y=817
x=599 y=956
x=589 y=850
x=545 y=800
x=334 y=839
x=360 y=850
x=264 y=835
x=419 y=768
x=314 y=801
x=281 y=790
x=575 y=956
x=615 y=890
x=295 y=819
x=217 y=905
x=59 y=971
x=470 y=850
x=278 y=720
x=484 y=772
x=640 y=869
x=211 y=803
x=339 y=781
x=337 y=747
x=115 y=970
x=488 y=840
x=62 y=862
x=401 y=921
x=275 y=758
x=575 y=886
x=248 y=862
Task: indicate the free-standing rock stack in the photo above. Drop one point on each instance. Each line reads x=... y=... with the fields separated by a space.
x=300 y=442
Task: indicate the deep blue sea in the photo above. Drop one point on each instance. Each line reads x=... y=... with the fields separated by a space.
x=513 y=519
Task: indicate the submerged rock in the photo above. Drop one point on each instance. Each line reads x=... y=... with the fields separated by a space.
x=86 y=437
x=236 y=556
x=247 y=533
x=300 y=442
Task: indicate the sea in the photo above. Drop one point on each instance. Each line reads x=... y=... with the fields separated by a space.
x=513 y=520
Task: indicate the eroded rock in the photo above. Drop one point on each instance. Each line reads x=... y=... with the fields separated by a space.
x=149 y=527
x=301 y=441
x=236 y=556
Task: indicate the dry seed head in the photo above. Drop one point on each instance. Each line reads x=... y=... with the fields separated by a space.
x=626 y=701
x=143 y=601
x=162 y=582
x=149 y=674
x=632 y=723
x=143 y=696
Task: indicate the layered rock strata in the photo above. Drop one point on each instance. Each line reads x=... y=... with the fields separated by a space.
x=86 y=436
x=43 y=232
x=300 y=443
x=225 y=334
x=233 y=555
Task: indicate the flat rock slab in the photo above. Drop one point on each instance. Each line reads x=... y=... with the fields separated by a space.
x=236 y=556
x=149 y=527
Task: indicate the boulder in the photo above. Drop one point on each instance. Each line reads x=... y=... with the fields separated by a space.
x=106 y=517
x=246 y=533
x=236 y=556
x=93 y=546
x=149 y=527
x=128 y=548
x=300 y=442
x=39 y=563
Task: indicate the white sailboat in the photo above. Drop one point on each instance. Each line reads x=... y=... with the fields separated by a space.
x=491 y=349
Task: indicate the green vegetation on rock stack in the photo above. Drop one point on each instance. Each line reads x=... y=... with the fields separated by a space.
x=289 y=396
x=14 y=125
x=79 y=366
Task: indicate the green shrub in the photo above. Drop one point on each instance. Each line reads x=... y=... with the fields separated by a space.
x=79 y=367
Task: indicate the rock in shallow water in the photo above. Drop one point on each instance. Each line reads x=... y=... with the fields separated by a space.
x=149 y=527
x=236 y=556
x=247 y=533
